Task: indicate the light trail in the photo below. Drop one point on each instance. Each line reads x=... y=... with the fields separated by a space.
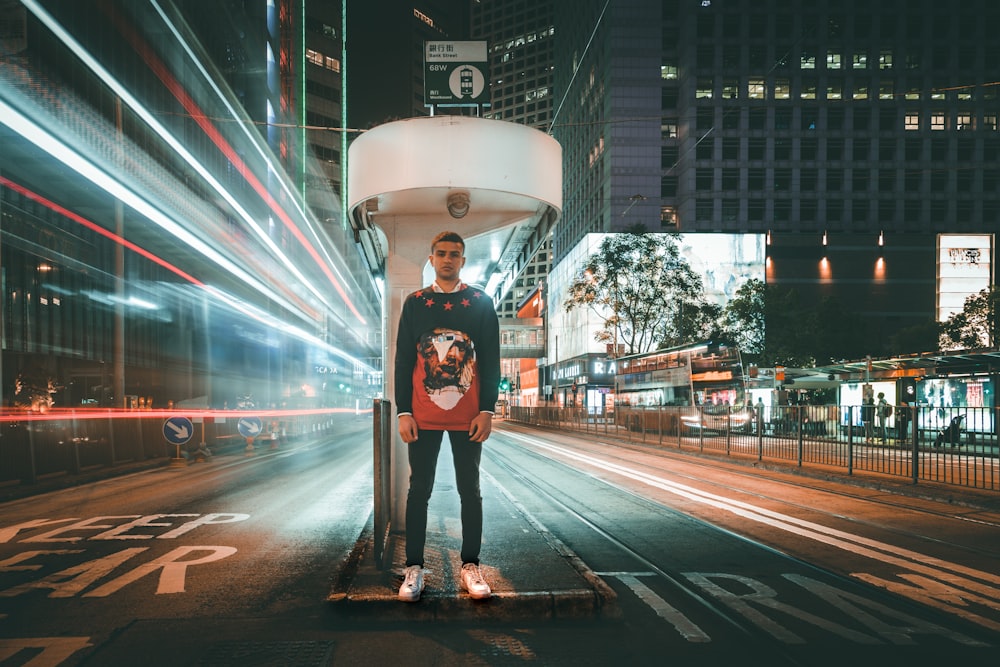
x=245 y=123
x=129 y=100
x=8 y=415
x=157 y=66
x=62 y=152
x=34 y=196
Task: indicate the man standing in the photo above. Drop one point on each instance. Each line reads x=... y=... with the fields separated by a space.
x=882 y=413
x=903 y=421
x=447 y=379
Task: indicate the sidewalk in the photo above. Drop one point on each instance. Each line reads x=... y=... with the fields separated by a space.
x=533 y=575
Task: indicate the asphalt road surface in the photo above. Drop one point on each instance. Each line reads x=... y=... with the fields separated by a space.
x=230 y=561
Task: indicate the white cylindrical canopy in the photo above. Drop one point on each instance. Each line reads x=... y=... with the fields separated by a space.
x=408 y=169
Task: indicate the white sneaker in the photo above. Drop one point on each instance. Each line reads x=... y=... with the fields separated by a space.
x=413 y=584
x=473 y=582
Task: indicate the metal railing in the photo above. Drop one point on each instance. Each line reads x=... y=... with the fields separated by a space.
x=830 y=436
x=34 y=449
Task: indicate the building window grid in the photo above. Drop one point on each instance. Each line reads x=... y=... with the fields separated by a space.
x=912 y=120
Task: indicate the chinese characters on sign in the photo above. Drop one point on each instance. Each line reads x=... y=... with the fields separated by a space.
x=455 y=74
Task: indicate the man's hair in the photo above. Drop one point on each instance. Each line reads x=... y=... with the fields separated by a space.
x=448 y=237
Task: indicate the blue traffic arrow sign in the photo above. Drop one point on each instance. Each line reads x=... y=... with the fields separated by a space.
x=249 y=427
x=178 y=430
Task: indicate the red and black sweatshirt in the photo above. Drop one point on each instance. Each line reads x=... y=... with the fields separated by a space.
x=447 y=358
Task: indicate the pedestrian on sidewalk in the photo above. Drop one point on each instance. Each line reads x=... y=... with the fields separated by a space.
x=868 y=417
x=903 y=421
x=882 y=412
x=447 y=378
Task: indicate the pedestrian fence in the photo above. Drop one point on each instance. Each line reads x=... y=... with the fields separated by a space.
x=33 y=449
x=948 y=445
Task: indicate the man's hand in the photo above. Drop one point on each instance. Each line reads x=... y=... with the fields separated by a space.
x=408 y=430
x=481 y=427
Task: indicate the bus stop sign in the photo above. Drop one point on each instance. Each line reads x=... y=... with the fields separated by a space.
x=456 y=74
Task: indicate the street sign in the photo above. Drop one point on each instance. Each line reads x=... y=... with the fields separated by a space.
x=178 y=430
x=249 y=427
x=455 y=74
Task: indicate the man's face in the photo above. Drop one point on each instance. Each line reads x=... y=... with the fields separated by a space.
x=447 y=258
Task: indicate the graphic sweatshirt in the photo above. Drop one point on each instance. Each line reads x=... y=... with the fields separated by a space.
x=447 y=358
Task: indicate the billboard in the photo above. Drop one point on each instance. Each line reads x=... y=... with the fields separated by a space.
x=724 y=262
x=964 y=268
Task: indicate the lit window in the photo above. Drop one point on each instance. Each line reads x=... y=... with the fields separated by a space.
x=937 y=121
x=912 y=121
x=755 y=89
x=807 y=60
x=730 y=89
x=885 y=59
x=885 y=90
x=808 y=90
x=668 y=215
x=668 y=72
x=782 y=90
x=333 y=64
x=861 y=91
x=913 y=93
x=860 y=60
x=668 y=130
x=315 y=57
x=834 y=91
x=990 y=121
x=704 y=89
x=963 y=121
x=964 y=94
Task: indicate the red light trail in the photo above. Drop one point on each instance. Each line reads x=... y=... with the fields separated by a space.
x=202 y=119
x=34 y=196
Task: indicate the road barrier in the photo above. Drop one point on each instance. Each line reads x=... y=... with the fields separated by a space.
x=66 y=444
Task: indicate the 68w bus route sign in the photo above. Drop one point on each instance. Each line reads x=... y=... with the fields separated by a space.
x=455 y=74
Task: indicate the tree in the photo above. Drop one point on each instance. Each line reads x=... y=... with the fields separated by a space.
x=790 y=329
x=645 y=291
x=923 y=337
x=743 y=318
x=976 y=326
x=838 y=332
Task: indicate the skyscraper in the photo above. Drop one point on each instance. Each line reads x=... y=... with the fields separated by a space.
x=852 y=134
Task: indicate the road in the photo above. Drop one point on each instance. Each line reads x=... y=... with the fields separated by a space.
x=230 y=561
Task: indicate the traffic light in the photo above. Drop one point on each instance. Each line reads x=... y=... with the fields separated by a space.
x=504 y=384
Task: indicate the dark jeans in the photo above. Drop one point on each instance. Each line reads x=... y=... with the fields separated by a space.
x=423 y=455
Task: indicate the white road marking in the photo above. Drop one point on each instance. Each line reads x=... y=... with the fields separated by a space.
x=55 y=650
x=174 y=569
x=965 y=584
x=685 y=626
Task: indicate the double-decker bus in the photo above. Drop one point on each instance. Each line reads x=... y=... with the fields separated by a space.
x=692 y=387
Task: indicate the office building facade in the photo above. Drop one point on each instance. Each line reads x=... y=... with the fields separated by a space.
x=852 y=134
